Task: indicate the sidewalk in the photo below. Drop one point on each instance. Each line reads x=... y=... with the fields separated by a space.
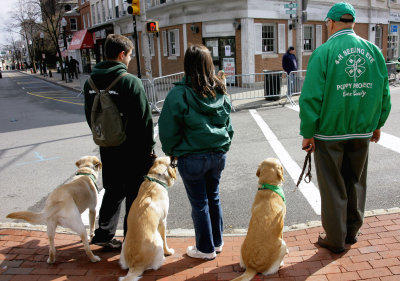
x=376 y=256
x=75 y=84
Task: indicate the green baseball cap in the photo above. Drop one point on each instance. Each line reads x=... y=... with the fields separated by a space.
x=340 y=9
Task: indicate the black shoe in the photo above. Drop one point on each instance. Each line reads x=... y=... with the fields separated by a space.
x=112 y=244
x=351 y=240
x=322 y=241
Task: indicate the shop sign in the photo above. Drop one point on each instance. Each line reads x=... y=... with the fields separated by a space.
x=229 y=68
x=394 y=17
x=393 y=28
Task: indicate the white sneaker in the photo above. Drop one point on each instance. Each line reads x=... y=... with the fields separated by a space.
x=192 y=251
x=219 y=249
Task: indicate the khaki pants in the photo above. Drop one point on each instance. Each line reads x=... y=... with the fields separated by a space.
x=341 y=168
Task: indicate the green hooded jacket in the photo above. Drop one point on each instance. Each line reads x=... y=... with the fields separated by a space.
x=346 y=91
x=191 y=124
x=130 y=98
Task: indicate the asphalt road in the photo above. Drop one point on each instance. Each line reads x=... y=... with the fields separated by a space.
x=43 y=132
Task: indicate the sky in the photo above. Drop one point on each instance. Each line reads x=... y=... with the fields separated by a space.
x=6 y=7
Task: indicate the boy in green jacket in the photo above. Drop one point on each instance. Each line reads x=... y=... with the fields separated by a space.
x=124 y=165
x=344 y=102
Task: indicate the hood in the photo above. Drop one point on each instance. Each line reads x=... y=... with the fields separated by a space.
x=108 y=68
x=207 y=105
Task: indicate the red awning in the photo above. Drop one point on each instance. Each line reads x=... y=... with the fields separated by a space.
x=82 y=39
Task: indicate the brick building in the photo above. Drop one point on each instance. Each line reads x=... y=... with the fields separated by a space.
x=243 y=36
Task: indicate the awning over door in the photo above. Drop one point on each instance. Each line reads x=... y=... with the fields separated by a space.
x=82 y=39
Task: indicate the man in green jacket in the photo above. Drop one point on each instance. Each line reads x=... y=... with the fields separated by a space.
x=344 y=102
x=125 y=165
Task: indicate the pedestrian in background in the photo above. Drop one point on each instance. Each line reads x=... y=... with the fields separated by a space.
x=289 y=64
x=344 y=103
x=125 y=165
x=195 y=127
x=73 y=67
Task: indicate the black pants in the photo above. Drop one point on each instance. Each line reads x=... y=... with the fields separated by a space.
x=122 y=177
x=341 y=168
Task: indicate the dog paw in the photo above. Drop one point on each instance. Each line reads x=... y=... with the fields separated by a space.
x=169 y=252
x=95 y=259
x=50 y=260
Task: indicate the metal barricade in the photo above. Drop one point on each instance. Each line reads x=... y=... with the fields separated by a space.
x=162 y=85
x=149 y=89
x=294 y=84
x=270 y=85
x=392 y=72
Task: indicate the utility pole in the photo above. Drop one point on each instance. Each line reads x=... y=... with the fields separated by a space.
x=146 y=42
x=299 y=35
x=135 y=36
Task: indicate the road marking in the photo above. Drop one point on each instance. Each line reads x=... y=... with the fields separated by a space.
x=41 y=96
x=85 y=214
x=386 y=140
x=40 y=157
x=309 y=190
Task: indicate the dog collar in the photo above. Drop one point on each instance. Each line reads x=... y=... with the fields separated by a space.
x=157 y=181
x=91 y=177
x=274 y=188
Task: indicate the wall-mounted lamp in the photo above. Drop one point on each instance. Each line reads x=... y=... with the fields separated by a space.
x=292 y=26
x=194 y=28
x=236 y=25
x=373 y=27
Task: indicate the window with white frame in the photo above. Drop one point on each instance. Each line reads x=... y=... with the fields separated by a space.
x=393 y=46
x=84 y=21
x=378 y=36
x=171 y=45
x=268 y=38
x=110 y=9
x=308 y=39
x=93 y=15
x=98 y=12
x=72 y=24
x=83 y=1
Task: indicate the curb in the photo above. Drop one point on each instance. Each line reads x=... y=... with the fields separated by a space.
x=179 y=232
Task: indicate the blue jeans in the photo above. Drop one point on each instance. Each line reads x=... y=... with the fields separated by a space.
x=201 y=174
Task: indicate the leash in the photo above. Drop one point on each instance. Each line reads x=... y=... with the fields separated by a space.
x=307 y=177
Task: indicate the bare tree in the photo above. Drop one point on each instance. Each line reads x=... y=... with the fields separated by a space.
x=25 y=23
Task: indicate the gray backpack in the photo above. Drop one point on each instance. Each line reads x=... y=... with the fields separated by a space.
x=108 y=128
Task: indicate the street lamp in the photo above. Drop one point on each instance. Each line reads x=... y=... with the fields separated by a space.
x=64 y=27
x=41 y=57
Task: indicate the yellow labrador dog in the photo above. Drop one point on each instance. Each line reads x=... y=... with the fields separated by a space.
x=145 y=243
x=263 y=248
x=66 y=203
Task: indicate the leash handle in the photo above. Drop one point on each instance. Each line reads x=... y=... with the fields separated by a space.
x=308 y=176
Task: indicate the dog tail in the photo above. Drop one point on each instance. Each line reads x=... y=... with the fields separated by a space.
x=247 y=275
x=134 y=274
x=31 y=217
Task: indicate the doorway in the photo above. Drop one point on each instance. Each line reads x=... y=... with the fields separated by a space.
x=223 y=51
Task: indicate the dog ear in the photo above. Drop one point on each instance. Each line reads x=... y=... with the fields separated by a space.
x=279 y=173
x=78 y=163
x=172 y=172
x=97 y=164
x=258 y=171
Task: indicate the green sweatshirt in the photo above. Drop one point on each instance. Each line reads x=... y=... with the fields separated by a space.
x=346 y=90
x=192 y=124
x=130 y=98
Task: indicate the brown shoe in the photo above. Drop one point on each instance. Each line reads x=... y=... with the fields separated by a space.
x=323 y=242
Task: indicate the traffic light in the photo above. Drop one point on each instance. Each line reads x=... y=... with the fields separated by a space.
x=134 y=7
x=152 y=27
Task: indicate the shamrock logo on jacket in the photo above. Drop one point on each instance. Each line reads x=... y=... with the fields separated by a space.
x=355 y=66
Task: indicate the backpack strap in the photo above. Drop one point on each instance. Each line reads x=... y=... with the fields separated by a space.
x=93 y=86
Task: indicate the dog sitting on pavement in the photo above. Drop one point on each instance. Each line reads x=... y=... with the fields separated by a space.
x=66 y=203
x=263 y=248
x=145 y=243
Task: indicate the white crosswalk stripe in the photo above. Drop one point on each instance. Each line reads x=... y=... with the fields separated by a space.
x=309 y=190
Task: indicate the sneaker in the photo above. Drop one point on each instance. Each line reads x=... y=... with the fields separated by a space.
x=112 y=244
x=192 y=252
x=219 y=249
x=323 y=242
